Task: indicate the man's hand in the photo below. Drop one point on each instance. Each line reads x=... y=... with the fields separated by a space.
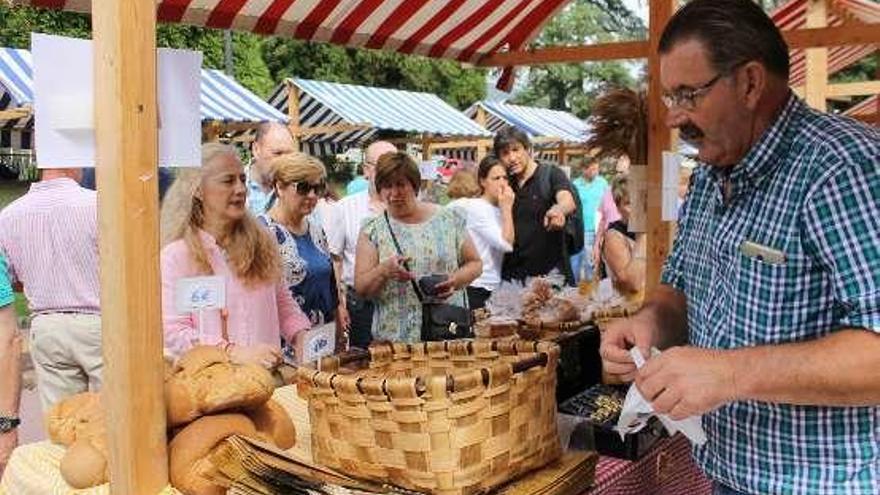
x=8 y=442
x=638 y=331
x=554 y=219
x=686 y=381
x=263 y=355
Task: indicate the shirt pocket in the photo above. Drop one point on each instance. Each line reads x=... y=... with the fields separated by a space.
x=774 y=302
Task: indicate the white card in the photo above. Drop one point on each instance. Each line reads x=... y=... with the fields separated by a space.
x=671 y=172
x=64 y=104
x=192 y=294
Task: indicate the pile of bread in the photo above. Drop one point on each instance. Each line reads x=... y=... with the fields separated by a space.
x=207 y=397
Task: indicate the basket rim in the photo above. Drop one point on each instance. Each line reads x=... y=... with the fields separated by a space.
x=544 y=353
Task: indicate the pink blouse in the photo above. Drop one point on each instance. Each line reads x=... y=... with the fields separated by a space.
x=260 y=314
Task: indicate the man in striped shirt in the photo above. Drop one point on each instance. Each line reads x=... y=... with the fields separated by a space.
x=770 y=305
x=50 y=237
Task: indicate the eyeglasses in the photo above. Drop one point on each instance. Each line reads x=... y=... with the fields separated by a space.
x=686 y=99
x=303 y=188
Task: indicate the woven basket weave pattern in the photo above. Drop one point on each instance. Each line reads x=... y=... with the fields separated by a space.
x=445 y=418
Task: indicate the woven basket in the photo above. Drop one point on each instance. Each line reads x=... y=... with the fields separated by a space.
x=457 y=417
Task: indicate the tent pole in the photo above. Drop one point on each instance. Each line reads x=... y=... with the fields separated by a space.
x=126 y=138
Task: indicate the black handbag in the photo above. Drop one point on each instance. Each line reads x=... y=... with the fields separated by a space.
x=440 y=321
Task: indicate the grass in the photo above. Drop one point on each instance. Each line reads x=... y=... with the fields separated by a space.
x=9 y=191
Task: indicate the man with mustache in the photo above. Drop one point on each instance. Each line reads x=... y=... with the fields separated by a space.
x=769 y=312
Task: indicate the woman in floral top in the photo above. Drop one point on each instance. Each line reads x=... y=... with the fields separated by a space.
x=306 y=266
x=433 y=241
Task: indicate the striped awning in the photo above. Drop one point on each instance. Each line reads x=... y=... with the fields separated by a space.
x=869 y=108
x=367 y=110
x=793 y=15
x=223 y=99
x=16 y=78
x=536 y=122
x=465 y=30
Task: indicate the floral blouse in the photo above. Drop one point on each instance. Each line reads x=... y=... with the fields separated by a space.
x=434 y=247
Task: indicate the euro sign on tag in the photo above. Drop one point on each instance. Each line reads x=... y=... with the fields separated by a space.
x=193 y=294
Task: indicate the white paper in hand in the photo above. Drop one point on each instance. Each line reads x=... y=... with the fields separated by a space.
x=636 y=411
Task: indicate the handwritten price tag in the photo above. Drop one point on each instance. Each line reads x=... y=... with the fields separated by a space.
x=197 y=293
x=315 y=343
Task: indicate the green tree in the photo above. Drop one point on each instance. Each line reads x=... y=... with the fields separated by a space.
x=574 y=87
x=293 y=58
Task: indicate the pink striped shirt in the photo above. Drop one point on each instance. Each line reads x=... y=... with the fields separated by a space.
x=50 y=237
x=261 y=314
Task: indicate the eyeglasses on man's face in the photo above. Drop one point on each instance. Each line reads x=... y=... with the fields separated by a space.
x=303 y=187
x=686 y=99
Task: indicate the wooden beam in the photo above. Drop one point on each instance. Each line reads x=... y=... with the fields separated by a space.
x=293 y=111
x=15 y=113
x=331 y=129
x=847 y=34
x=816 y=85
x=126 y=138
x=659 y=140
x=842 y=90
x=481 y=119
x=568 y=54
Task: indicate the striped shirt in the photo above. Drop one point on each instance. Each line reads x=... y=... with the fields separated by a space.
x=809 y=188
x=50 y=237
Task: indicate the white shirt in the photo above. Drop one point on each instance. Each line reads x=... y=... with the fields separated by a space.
x=483 y=222
x=342 y=225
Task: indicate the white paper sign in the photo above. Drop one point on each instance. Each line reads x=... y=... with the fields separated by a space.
x=193 y=294
x=64 y=104
x=671 y=173
x=315 y=343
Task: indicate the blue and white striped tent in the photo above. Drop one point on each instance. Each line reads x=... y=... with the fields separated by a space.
x=16 y=83
x=536 y=122
x=222 y=99
x=330 y=104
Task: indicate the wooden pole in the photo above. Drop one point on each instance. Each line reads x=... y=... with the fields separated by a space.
x=659 y=139
x=128 y=212
x=293 y=111
x=563 y=157
x=816 y=87
x=482 y=150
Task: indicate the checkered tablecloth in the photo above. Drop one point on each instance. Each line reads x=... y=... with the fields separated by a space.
x=667 y=469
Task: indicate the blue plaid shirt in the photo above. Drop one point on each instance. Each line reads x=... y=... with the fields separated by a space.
x=811 y=189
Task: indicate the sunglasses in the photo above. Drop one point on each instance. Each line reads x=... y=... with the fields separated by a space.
x=303 y=188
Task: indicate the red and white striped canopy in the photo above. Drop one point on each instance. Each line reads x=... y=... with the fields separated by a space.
x=464 y=30
x=868 y=108
x=793 y=15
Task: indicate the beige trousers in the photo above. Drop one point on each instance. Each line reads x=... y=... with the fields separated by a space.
x=66 y=351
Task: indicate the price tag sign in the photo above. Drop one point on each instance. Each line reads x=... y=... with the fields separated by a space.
x=194 y=294
x=315 y=343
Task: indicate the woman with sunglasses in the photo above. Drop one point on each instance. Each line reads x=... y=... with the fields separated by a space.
x=207 y=230
x=299 y=182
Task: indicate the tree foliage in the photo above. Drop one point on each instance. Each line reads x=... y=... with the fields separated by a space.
x=574 y=87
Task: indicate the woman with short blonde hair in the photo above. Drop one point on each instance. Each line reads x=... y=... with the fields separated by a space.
x=298 y=182
x=207 y=230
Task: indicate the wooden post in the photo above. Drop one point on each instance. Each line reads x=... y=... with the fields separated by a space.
x=293 y=111
x=426 y=147
x=128 y=213
x=659 y=139
x=816 y=87
x=563 y=157
x=480 y=118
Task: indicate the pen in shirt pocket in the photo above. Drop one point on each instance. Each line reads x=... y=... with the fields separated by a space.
x=762 y=253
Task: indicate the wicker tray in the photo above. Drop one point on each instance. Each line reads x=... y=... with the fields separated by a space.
x=457 y=417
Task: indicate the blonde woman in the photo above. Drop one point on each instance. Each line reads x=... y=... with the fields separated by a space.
x=207 y=230
x=622 y=250
x=299 y=181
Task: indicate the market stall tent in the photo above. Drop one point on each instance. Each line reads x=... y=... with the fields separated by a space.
x=126 y=138
x=16 y=96
x=328 y=117
x=556 y=134
x=868 y=110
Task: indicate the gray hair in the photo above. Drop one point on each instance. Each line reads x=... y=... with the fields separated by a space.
x=732 y=31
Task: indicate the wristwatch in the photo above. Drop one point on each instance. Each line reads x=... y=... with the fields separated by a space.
x=8 y=423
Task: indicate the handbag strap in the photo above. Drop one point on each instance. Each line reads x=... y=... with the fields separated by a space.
x=415 y=286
